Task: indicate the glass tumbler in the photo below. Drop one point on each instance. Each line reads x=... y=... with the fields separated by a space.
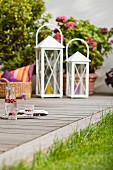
x=12 y=114
x=29 y=109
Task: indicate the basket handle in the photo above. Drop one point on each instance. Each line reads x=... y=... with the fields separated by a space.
x=7 y=81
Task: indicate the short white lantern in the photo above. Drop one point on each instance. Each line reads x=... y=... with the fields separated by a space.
x=49 y=66
x=77 y=80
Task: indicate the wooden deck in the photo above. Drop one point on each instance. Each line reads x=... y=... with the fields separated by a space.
x=61 y=112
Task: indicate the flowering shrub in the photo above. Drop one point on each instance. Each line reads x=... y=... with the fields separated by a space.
x=98 y=39
x=70 y=25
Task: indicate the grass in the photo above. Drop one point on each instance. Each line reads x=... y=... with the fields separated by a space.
x=89 y=149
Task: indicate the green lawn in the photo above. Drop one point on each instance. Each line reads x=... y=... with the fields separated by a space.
x=90 y=149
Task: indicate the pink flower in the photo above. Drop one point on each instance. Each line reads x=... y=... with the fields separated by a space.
x=61 y=19
x=104 y=30
x=56 y=30
x=57 y=37
x=92 y=42
x=94 y=45
x=111 y=41
x=70 y=25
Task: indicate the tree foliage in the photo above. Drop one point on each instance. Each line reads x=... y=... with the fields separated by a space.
x=19 y=21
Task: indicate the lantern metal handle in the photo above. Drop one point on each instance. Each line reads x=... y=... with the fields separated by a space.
x=47 y=24
x=79 y=39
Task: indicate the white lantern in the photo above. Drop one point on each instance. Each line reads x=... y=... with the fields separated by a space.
x=49 y=66
x=77 y=79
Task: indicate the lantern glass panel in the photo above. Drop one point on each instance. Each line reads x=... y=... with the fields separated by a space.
x=52 y=71
x=80 y=79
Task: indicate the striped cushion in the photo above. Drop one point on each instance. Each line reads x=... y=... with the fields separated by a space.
x=24 y=73
x=7 y=75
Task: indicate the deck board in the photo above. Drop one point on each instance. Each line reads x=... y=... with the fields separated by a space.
x=61 y=112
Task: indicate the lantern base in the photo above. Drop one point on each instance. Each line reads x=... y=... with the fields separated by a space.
x=50 y=95
x=77 y=96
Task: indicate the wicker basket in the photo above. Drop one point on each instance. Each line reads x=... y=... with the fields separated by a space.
x=20 y=88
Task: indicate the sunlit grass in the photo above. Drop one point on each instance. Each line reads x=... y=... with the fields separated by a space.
x=89 y=149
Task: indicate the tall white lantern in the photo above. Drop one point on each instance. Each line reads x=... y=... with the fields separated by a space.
x=49 y=66
x=77 y=78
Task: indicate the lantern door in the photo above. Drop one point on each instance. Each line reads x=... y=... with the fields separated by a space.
x=50 y=73
x=52 y=77
x=77 y=80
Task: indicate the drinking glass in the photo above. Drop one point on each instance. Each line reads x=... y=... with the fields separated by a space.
x=11 y=113
x=24 y=96
x=29 y=109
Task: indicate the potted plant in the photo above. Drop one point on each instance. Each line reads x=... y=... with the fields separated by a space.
x=98 y=39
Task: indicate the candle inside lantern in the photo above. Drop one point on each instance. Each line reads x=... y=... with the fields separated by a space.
x=49 y=89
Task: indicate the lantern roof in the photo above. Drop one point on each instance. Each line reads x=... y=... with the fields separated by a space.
x=78 y=57
x=49 y=42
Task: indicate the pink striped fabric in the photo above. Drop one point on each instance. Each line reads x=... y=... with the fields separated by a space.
x=24 y=73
